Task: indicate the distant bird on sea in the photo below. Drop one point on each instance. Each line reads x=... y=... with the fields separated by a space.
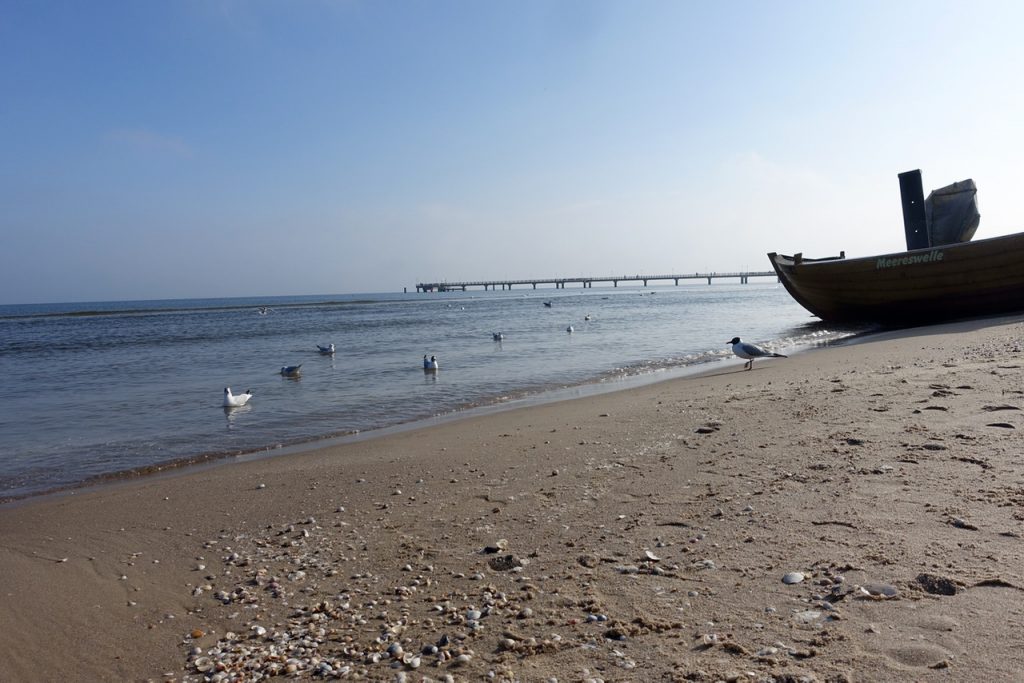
x=431 y=365
x=233 y=401
x=326 y=350
x=586 y=317
x=291 y=371
x=750 y=352
x=570 y=329
x=263 y=310
x=497 y=336
x=548 y=304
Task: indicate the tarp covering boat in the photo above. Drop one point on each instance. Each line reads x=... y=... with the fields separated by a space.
x=951 y=213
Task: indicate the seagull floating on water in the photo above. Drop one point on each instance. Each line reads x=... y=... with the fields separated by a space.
x=497 y=336
x=291 y=370
x=431 y=365
x=326 y=350
x=750 y=352
x=569 y=329
x=236 y=401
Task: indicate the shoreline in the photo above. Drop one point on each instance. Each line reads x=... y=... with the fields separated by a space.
x=597 y=386
x=203 y=461
x=639 y=534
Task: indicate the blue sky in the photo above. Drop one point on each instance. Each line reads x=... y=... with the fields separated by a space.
x=200 y=148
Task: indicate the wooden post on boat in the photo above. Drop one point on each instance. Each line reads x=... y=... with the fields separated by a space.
x=914 y=223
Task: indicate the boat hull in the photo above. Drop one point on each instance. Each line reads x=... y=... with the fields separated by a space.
x=971 y=279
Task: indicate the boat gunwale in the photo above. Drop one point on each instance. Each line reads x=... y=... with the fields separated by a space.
x=791 y=261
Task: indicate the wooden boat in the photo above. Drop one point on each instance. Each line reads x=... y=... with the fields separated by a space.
x=963 y=280
x=941 y=276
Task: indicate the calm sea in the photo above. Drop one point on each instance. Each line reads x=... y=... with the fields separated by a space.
x=92 y=390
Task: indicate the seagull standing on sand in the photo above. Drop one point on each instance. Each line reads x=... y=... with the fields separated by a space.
x=750 y=352
x=233 y=401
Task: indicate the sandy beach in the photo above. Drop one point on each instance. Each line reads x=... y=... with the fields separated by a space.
x=854 y=513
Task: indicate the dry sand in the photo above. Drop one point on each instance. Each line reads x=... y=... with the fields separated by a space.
x=641 y=535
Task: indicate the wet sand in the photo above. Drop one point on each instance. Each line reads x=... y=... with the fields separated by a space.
x=632 y=536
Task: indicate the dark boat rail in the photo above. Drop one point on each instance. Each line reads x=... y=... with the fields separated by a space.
x=800 y=258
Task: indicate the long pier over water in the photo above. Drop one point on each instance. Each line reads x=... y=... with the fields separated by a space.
x=587 y=282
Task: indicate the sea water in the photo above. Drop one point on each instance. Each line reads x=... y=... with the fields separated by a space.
x=93 y=390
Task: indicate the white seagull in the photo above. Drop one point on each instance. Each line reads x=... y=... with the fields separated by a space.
x=326 y=350
x=750 y=352
x=233 y=401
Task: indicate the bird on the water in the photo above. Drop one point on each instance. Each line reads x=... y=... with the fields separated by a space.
x=291 y=371
x=236 y=400
x=750 y=352
x=326 y=350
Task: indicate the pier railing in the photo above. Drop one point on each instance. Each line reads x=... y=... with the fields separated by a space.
x=587 y=282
